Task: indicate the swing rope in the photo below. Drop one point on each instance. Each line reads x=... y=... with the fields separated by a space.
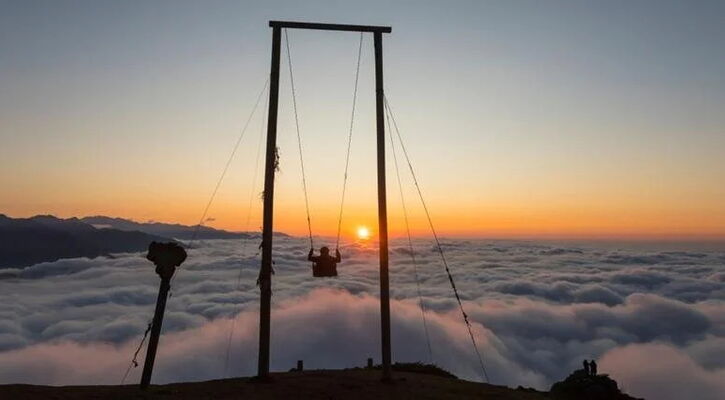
x=299 y=137
x=349 y=141
x=438 y=244
x=410 y=241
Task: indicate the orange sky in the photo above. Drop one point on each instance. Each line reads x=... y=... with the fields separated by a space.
x=488 y=220
x=519 y=131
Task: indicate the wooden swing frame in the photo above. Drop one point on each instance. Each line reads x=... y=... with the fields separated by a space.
x=265 y=276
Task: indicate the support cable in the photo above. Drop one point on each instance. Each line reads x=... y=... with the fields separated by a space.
x=299 y=137
x=221 y=177
x=410 y=242
x=349 y=141
x=134 y=362
x=229 y=161
x=438 y=244
x=246 y=229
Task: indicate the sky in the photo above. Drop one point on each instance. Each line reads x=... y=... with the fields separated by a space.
x=521 y=118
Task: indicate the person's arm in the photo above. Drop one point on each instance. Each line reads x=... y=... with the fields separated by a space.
x=337 y=256
x=309 y=256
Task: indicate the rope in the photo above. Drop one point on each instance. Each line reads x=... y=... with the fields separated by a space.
x=134 y=362
x=299 y=138
x=246 y=228
x=410 y=243
x=349 y=140
x=223 y=174
x=438 y=244
x=229 y=161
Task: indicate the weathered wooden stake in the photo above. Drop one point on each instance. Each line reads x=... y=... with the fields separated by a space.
x=148 y=365
x=166 y=257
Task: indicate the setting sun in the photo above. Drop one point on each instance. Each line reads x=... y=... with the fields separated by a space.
x=363 y=233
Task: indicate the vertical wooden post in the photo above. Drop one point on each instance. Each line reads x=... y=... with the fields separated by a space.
x=265 y=273
x=382 y=206
x=148 y=365
x=166 y=257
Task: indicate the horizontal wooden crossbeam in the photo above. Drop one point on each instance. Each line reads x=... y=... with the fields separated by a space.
x=329 y=27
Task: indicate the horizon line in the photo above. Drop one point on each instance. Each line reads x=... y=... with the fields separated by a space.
x=590 y=237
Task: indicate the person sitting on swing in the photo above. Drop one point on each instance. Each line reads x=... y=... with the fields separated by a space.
x=324 y=264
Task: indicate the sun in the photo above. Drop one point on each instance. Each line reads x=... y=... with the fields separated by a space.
x=363 y=233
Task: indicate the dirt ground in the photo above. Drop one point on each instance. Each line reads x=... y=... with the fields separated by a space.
x=322 y=384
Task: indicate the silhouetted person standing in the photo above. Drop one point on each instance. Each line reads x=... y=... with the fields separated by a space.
x=324 y=264
x=586 y=367
x=593 y=368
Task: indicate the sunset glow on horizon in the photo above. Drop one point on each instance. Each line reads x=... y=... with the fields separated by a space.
x=514 y=139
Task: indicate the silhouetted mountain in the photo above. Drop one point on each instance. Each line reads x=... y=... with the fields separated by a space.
x=176 y=231
x=28 y=241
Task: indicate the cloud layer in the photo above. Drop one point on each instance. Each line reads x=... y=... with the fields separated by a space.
x=648 y=315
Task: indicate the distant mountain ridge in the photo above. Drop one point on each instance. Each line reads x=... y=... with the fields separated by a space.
x=43 y=238
x=176 y=231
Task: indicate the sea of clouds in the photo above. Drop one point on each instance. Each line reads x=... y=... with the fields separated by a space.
x=653 y=318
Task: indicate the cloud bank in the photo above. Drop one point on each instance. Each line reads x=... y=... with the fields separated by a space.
x=654 y=318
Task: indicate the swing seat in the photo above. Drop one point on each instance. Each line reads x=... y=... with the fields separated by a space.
x=323 y=271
